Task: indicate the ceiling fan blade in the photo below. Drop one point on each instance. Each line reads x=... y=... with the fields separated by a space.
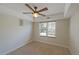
x=29 y=7
x=27 y=12
x=44 y=9
x=42 y=14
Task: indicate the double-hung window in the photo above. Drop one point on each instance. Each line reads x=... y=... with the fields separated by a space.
x=47 y=29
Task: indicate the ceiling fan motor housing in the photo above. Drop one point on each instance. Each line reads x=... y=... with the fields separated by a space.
x=35 y=7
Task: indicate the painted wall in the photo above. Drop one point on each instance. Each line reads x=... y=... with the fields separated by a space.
x=62 y=34
x=12 y=35
x=74 y=33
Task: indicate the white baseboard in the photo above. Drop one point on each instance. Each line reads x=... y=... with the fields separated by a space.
x=54 y=44
x=5 y=53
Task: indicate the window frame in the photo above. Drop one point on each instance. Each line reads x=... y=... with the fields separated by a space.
x=39 y=30
x=47 y=30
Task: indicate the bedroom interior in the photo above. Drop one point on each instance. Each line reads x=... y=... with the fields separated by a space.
x=39 y=28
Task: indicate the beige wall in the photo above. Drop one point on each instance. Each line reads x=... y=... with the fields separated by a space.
x=12 y=35
x=62 y=34
x=74 y=33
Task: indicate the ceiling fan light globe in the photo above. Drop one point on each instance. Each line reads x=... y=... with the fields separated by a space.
x=35 y=14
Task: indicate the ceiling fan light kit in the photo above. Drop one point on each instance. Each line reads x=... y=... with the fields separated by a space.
x=35 y=13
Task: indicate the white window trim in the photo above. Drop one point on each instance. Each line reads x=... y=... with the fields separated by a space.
x=47 y=30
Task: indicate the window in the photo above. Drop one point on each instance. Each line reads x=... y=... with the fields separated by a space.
x=47 y=29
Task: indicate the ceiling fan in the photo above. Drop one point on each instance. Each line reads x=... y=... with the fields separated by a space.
x=34 y=10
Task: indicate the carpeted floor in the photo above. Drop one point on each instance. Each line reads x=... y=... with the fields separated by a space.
x=38 y=48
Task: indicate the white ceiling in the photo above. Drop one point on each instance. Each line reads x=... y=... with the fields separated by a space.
x=17 y=9
x=73 y=8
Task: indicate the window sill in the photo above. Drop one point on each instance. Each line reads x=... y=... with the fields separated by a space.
x=48 y=36
x=51 y=37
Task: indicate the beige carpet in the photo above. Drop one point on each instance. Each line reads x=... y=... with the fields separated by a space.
x=38 y=48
